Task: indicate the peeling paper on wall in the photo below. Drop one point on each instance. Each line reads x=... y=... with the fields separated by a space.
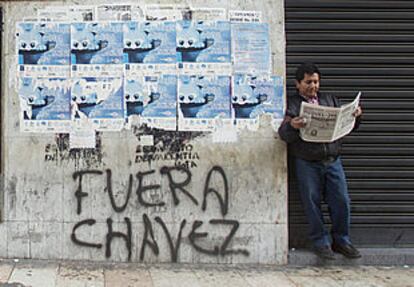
x=83 y=136
x=225 y=132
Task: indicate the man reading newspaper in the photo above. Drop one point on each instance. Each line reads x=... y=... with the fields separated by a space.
x=319 y=171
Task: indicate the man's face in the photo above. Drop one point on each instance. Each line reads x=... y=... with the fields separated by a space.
x=309 y=86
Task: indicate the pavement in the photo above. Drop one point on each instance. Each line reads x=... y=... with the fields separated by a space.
x=39 y=273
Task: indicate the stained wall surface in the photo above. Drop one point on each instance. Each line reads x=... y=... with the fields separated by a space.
x=185 y=199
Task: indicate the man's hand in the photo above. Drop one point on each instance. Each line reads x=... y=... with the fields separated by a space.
x=298 y=122
x=357 y=112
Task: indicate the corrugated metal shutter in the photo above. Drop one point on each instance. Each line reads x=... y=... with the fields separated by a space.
x=366 y=46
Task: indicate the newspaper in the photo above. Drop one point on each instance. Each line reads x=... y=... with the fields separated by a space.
x=327 y=124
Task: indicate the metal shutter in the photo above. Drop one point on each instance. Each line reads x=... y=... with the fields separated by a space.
x=366 y=46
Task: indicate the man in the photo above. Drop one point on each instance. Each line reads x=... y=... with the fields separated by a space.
x=319 y=171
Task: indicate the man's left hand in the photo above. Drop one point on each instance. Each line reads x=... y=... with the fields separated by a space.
x=357 y=112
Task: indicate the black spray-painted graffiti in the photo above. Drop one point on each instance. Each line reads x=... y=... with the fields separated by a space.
x=184 y=156
x=168 y=146
x=59 y=152
x=179 y=191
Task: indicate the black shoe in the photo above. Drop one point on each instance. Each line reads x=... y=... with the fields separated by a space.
x=324 y=252
x=347 y=250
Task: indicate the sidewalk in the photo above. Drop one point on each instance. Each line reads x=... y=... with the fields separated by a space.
x=25 y=273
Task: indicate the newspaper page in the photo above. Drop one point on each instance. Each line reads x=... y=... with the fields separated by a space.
x=251 y=48
x=156 y=12
x=120 y=12
x=153 y=99
x=253 y=96
x=67 y=14
x=327 y=124
x=204 y=46
x=245 y=16
x=205 y=14
x=43 y=49
x=203 y=99
x=44 y=104
x=149 y=47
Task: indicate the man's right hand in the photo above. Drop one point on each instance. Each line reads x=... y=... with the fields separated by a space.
x=298 y=122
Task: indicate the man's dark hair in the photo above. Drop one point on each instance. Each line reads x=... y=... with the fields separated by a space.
x=306 y=68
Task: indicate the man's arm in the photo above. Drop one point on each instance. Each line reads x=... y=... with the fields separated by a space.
x=289 y=129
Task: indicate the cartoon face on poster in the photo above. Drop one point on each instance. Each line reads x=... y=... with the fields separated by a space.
x=203 y=97
x=149 y=42
x=44 y=100
x=96 y=43
x=151 y=96
x=43 y=48
x=256 y=95
x=203 y=41
x=97 y=98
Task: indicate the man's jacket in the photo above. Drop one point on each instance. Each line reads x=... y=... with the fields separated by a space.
x=309 y=150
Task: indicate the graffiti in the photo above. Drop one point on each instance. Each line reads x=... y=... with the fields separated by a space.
x=178 y=179
x=59 y=152
x=168 y=146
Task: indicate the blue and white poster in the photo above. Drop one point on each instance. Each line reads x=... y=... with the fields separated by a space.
x=149 y=46
x=251 y=48
x=153 y=98
x=96 y=49
x=44 y=104
x=253 y=96
x=204 y=45
x=202 y=99
x=43 y=49
x=99 y=101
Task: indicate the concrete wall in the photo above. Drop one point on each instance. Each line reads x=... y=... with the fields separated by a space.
x=57 y=202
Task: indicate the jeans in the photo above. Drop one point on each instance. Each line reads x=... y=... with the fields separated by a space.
x=324 y=180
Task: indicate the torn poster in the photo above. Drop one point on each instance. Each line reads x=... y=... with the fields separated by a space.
x=153 y=99
x=201 y=100
x=44 y=104
x=100 y=100
x=256 y=95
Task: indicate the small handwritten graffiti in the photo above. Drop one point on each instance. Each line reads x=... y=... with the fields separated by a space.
x=179 y=192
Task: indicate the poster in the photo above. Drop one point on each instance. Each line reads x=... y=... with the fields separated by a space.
x=44 y=104
x=96 y=49
x=98 y=100
x=149 y=46
x=253 y=96
x=204 y=46
x=43 y=49
x=251 y=48
x=201 y=100
x=153 y=99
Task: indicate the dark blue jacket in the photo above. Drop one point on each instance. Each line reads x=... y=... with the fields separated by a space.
x=309 y=150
